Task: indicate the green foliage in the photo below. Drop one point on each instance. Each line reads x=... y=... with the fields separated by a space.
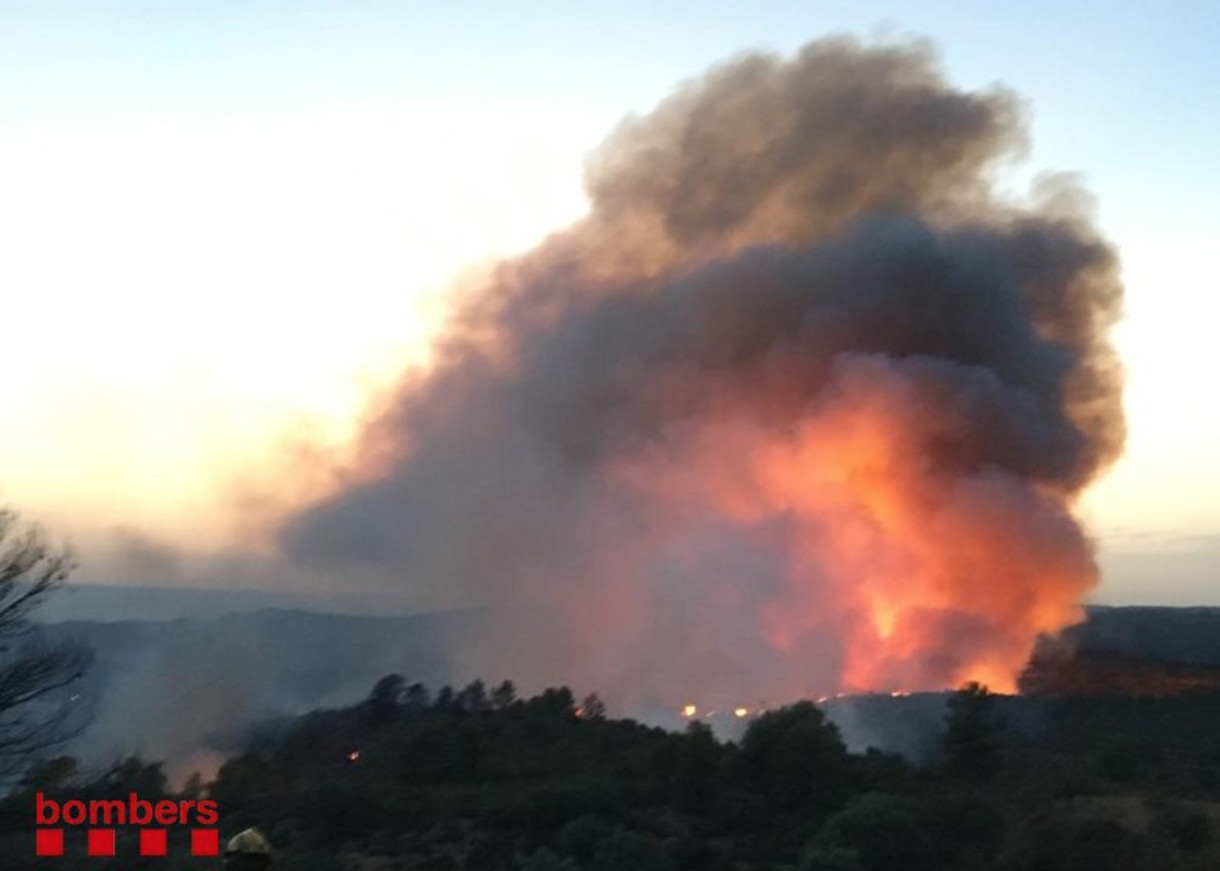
x=385 y=701
x=964 y=820
x=973 y=741
x=133 y=774
x=416 y=699
x=624 y=849
x=50 y=775
x=818 y=858
x=579 y=837
x=39 y=681
x=503 y=696
x=316 y=861
x=474 y=698
x=696 y=765
x=592 y=707
x=1051 y=844
x=885 y=832
x=796 y=757
x=546 y=860
x=1182 y=826
x=481 y=780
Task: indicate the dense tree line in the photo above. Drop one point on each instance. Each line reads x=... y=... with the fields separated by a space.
x=479 y=778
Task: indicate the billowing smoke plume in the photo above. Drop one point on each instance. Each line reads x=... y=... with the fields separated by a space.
x=802 y=405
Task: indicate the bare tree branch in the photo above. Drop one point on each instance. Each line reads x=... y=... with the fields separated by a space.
x=38 y=711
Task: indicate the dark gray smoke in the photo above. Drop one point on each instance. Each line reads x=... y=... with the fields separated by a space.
x=800 y=405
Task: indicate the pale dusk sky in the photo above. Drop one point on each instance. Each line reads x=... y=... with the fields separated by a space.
x=228 y=223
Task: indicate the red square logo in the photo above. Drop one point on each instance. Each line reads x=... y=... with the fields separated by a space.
x=49 y=842
x=152 y=842
x=101 y=842
x=205 y=842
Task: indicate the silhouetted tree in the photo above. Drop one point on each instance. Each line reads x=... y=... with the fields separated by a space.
x=696 y=768
x=444 y=700
x=818 y=858
x=385 y=701
x=624 y=849
x=578 y=838
x=503 y=695
x=416 y=698
x=973 y=733
x=534 y=786
x=50 y=775
x=474 y=697
x=546 y=860
x=1184 y=827
x=592 y=707
x=133 y=774
x=37 y=709
x=884 y=832
x=555 y=700
x=795 y=757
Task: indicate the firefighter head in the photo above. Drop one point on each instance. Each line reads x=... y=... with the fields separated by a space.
x=248 y=851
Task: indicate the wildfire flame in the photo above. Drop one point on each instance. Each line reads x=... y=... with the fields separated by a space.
x=802 y=402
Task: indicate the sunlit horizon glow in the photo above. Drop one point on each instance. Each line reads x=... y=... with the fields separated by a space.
x=200 y=293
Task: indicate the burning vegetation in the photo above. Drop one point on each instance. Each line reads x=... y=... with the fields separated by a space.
x=803 y=403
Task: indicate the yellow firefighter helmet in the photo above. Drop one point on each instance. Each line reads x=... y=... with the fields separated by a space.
x=251 y=842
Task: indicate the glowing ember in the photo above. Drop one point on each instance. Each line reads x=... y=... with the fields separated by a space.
x=354 y=756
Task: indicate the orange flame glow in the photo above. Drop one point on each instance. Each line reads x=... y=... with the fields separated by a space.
x=931 y=580
x=802 y=404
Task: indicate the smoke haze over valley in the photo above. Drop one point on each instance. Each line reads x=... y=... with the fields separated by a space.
x=821 y=385
x=801 y=406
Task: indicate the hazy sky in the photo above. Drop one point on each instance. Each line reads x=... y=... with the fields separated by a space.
x=224 y=223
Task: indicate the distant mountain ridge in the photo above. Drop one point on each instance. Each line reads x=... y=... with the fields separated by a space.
x=176 y=689
x=110 y=602
x=168 y=687
x=1187 y=635
x=1130 y=651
